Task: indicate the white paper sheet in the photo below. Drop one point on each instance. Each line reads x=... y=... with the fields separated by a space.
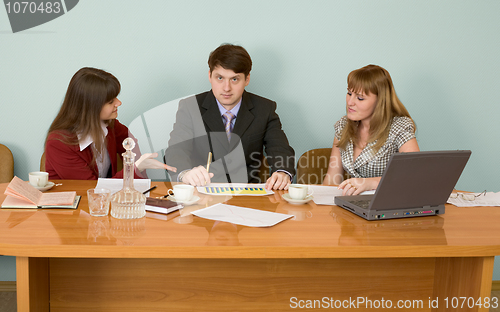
x=324 y=195
x=117 y=184
x=241 y=215
x=202 y=189
x=490 y=199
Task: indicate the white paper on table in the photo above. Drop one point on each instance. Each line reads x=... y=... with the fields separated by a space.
x=201 y=189
x=324 y=195
x=489 y=199
x=116 y=185
x=241 y=215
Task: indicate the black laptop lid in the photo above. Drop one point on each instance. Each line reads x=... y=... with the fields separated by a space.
x=419 y=179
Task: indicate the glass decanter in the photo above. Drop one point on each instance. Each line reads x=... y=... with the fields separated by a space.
x=128 y=203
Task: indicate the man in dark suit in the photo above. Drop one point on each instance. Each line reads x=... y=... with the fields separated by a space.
x=232 y=124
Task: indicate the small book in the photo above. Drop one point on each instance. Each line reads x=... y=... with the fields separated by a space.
x=23 y=195
x=162 y=205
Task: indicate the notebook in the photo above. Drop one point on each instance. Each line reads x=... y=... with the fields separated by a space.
x=413 y=185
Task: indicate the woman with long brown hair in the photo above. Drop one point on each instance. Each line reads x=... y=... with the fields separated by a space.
x=376 y=125
x=83 y=141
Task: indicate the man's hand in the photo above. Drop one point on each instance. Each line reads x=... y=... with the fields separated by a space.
x=278 y=181
x=148 y=161
x=198 y=176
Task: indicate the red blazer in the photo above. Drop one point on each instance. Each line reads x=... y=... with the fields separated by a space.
x=67 y=162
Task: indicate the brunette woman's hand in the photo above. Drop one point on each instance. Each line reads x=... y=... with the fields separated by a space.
x=148 y=161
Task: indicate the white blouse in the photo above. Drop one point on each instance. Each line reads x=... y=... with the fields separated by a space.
x=103 y=161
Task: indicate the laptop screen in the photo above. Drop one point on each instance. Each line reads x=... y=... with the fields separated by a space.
x=419 y=179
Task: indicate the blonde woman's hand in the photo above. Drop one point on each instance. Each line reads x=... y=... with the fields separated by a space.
x=148 y=161
x=356 y=186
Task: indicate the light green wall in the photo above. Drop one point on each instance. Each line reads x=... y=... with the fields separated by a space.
x=443 y=57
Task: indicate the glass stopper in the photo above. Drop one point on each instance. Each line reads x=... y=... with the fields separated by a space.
x=128 y=144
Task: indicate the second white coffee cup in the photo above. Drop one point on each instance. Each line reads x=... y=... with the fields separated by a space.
x=298 y=191
x=182 y=192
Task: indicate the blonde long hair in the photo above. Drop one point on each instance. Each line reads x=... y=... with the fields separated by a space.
x=88 y=91
x=373 y=79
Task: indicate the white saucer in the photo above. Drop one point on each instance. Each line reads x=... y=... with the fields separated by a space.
x=287 y=197
x=186 y=203
x=47 y=187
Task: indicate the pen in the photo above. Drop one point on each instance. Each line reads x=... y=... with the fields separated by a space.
x=149 y=190
x=209 y=161
x=165 y=196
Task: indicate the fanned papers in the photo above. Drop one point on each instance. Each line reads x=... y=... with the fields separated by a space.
x=234 y=189
x=488 y=199
x=23 y=195
x=241 y=215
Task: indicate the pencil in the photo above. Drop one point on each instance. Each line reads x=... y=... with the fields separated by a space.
x=149 y=190
x=209 y=161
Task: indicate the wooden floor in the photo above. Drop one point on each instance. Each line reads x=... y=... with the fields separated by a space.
x=8 y=301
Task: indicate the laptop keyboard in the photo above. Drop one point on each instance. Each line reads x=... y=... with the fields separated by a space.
x=365 y=203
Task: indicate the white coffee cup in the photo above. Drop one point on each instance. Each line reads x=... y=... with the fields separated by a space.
x=39 y=178
x=182 y=192
x=298 y=191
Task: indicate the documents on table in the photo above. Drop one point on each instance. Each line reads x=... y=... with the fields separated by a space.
x=489 y=199
x=241 y=215
x=324 y=194
x=115 y=185
x=234 y=189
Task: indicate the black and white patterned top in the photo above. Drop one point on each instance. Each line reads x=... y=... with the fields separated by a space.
x=368 y=164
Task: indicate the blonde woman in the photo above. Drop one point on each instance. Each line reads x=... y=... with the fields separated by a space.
x=376 y=125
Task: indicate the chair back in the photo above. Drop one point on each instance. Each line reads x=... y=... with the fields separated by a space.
x=6 y=164
x=312 y=166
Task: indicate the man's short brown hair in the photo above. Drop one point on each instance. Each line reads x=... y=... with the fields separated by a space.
x=232 y=57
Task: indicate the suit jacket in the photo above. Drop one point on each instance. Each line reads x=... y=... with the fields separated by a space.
x=66 y=161
x=199 y=129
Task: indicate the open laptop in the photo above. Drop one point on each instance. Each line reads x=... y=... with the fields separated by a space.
x=413 y=185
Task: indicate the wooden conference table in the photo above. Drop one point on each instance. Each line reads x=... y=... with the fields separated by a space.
x=70 y=261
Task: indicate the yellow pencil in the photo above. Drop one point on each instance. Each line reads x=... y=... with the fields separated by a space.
x=209 y=161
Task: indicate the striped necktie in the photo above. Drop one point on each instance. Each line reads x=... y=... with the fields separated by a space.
x=229 y=126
